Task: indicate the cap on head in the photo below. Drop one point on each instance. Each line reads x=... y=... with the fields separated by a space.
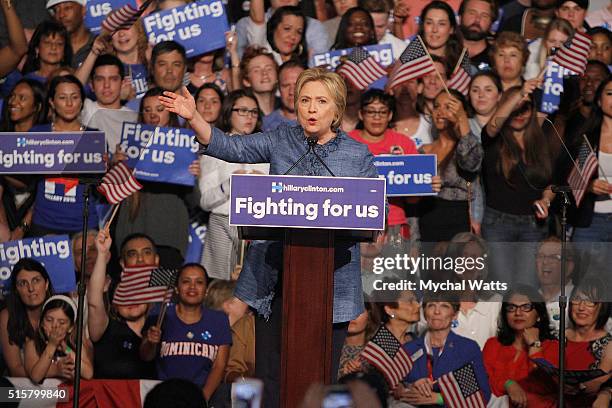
x=51 y=3
x=582 y=3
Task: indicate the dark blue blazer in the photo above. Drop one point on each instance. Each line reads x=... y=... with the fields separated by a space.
x=457 y=352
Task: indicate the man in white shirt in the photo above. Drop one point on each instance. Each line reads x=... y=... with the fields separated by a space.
x=106 y=113
x=379 y=10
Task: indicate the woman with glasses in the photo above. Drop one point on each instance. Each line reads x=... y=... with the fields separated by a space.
x=589 y=345
x=523 y=334
x=548 y=271
x=240 y=115
x=375 y=114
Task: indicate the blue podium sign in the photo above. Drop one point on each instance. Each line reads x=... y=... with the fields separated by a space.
x=407 y=175
x=307 y=202
x=54 y=252
x=52 y=152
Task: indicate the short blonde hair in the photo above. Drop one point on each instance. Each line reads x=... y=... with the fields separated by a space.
x=335 y=85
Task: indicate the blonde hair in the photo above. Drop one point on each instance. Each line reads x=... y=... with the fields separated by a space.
x=333 y=83
x=558 y=24
x=218 y=292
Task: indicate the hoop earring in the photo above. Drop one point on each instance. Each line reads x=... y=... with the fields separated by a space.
x=300 y=49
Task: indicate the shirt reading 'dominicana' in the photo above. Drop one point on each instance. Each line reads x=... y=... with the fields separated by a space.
x=188 y=351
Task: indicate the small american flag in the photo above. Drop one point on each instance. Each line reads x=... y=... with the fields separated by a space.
x=124 y=17
x=460 y=388
x=361 y=69
x=385 y=353
x=574 y=54
x=583 y=170
x=414 y=62
x=460 y=80
x=144 y=284
x=118 y=184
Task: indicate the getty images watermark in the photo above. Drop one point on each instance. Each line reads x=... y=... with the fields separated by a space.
x=412 y=265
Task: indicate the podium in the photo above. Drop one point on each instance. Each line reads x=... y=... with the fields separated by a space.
x=308 y=258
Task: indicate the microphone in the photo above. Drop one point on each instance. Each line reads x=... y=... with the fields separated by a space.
x=312 y=141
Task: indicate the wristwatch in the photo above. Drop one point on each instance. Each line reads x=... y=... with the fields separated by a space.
x=536 y=344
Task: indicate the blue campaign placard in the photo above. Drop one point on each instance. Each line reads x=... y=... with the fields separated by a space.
x=97 y=10
x=307 y=202
x=195 y=247
x=200 y=26
x=552 y=87
x=52 y=152
x=160 y=154
x=382 y=53
x=53 y=251
x=407 y=175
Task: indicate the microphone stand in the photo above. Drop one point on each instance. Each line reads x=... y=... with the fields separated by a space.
x=564 y=190
x=88 y=181
x=312 y=142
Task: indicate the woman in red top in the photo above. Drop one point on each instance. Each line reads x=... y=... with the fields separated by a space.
x=524 y=334
x=589 y=345
x=375 y=114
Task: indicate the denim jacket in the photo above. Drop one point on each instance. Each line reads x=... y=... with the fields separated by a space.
x=281 y=148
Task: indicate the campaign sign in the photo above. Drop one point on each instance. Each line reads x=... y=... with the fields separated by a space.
x=159 y=154
x=52 y=152
x=195 y=248
x=97 y=10
x=200 y=26
x=307 y=202
x=53 y=251
x=382 y=53
x=407 y=175
x=552 y=87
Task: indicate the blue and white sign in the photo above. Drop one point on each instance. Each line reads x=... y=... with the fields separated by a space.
x=553 y=87
x=52 y=153
x=307 y=202
x=97 y=10
x=382 y=53
x=53 y=251
x=195 y=247
x=200 y=27
x=160 y=154
x=407 y=175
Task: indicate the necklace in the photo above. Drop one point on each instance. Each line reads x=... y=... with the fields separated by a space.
x=54 y=129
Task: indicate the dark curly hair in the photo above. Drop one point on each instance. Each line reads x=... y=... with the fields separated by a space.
x=301 y=53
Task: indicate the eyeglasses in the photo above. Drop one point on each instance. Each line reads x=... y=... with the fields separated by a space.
x=553 y=257
x=372 y=113
x=245 y=112
x=527 y=307
x=585 y=302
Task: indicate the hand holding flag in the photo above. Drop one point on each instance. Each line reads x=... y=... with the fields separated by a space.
x=385 y=353
x=460 y=388
x=144 y=284
x=361 y=69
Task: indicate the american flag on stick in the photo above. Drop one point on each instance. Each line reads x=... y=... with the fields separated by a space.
x=361 y=69
x=574 y=54
x=460 y=388
x=123 y=17
x=119 y=183
x=144 y=284
x=414 y=62
x=385 y=353
x=584 y=167
x=460 y=80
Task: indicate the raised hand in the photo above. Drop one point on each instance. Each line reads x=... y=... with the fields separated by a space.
x=103 y=242
x=182 y=104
